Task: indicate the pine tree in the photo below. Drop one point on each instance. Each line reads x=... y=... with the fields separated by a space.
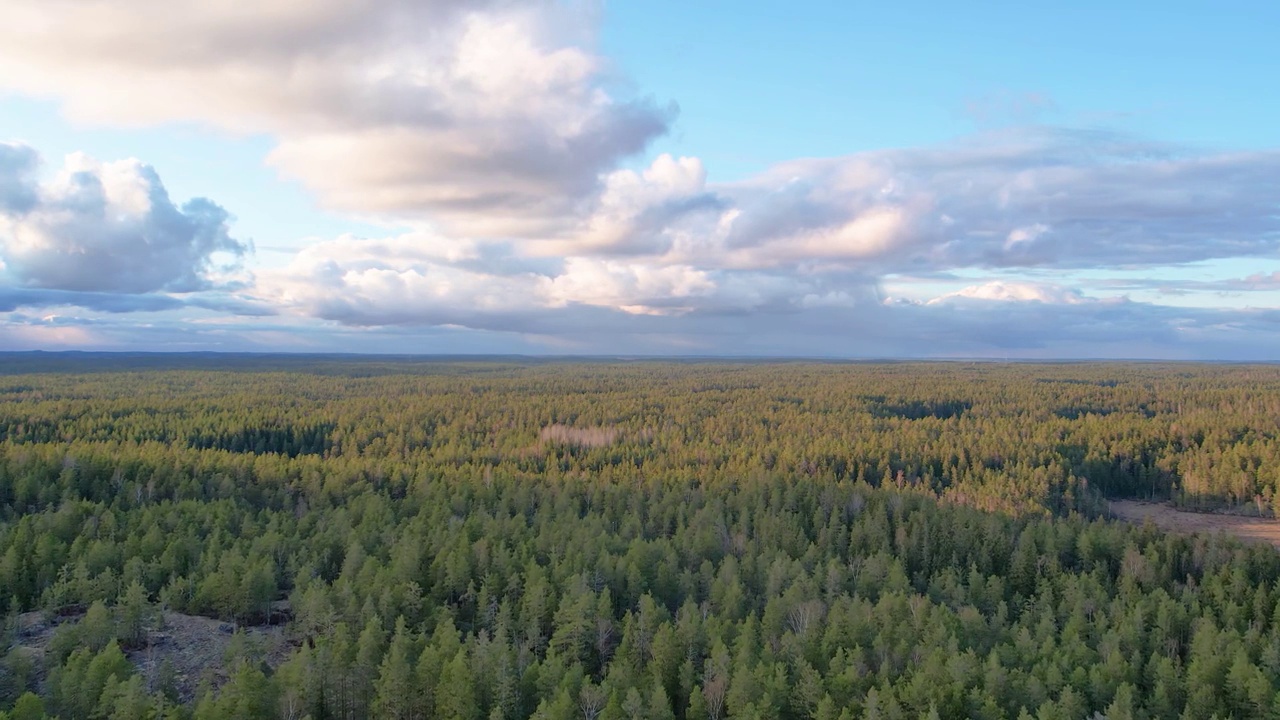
x=369 y=651
x=130 y=701
x=393 y=690
x=97 y=628
x=28 y=707
x=1122 y=705
x=135 y=616
x=455 y=695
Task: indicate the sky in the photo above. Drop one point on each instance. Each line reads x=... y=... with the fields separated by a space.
x=560 y=177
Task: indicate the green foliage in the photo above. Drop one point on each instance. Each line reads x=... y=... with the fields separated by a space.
x=136 y=616
x=248 y=695
x=28 y=707
x=691 y=541
x=88 y=683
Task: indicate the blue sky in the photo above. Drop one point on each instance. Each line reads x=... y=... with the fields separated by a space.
x=764 y=82
x=823 y=179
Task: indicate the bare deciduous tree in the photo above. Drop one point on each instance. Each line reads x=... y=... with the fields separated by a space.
x=804 y=615
x=591 y=700
x=604 y=638
x=714 y=692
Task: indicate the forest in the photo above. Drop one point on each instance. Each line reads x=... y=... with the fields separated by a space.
x=479 y=538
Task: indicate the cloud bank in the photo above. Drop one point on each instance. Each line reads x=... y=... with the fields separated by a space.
x=824 y=233
x=497 y=133
x=1035 y=197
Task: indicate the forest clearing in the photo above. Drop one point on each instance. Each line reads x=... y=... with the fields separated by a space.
x=1171 y=519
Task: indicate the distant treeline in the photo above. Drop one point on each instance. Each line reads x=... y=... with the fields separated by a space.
x=1008 y=437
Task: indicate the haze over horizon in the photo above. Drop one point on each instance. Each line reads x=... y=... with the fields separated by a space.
x=915 y=180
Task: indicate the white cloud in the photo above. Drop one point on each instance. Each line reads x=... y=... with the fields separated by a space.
x=630 y=287
x=874 y=234
x=403 y=281
x=1002 y=291
x=641 y=213
x=489 y=117
x=107 y=227
x=423 y=280
x=1024 y=235
x=395 y=281
x=1030 y=198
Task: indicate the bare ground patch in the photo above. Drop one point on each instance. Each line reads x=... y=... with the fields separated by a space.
x=589 y=437
x=1171 y=519
x=195 y=647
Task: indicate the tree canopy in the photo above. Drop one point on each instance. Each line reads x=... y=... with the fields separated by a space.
x=484 y=539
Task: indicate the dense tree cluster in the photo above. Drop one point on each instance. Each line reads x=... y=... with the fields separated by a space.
x=643 y=540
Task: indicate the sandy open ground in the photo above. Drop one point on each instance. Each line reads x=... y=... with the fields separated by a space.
x=1167 y=518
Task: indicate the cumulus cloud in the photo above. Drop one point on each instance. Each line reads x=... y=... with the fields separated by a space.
x=1018 y=198
x=420 y=279
x=494 y=129
x=402 y=281
x=629 y=287
x=651 y=212
x=107 y=228
x=1001 y=291
x=490 y=117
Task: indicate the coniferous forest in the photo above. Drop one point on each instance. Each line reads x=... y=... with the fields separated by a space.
x=475 y=539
